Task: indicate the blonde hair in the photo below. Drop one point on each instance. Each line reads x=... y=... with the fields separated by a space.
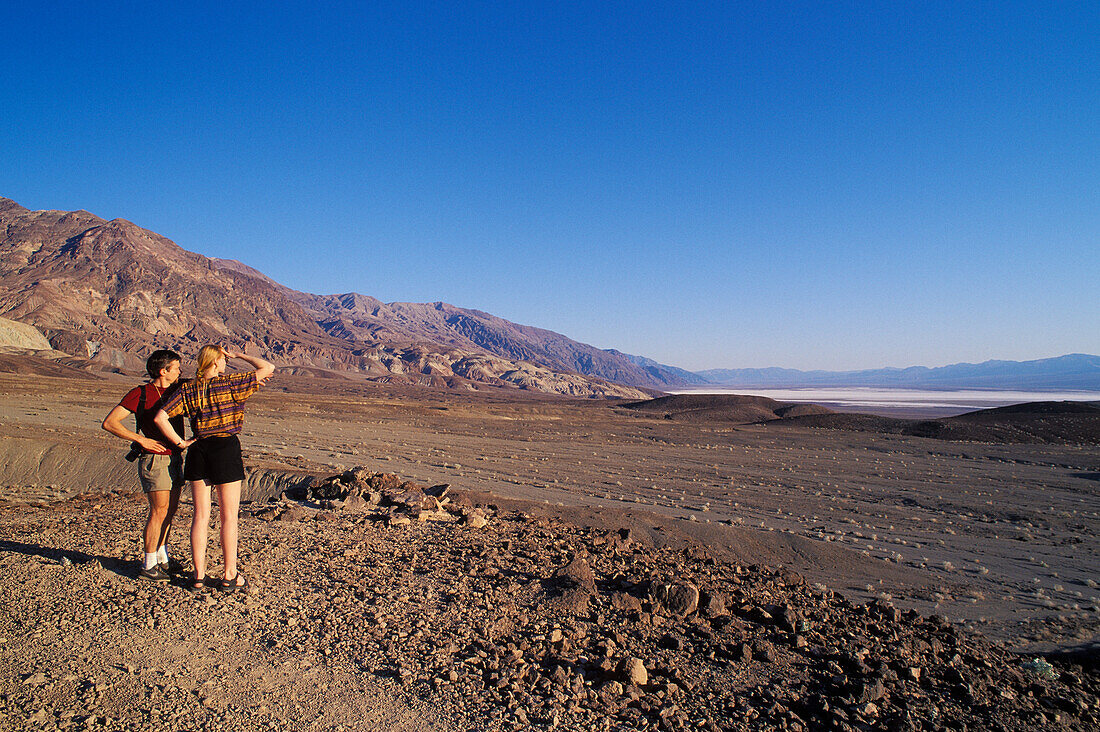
x=208 y=356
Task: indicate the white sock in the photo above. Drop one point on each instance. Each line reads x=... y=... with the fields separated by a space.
x=162 y=555
x=150 y=560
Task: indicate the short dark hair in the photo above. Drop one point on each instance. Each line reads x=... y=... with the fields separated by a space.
x=159 y=360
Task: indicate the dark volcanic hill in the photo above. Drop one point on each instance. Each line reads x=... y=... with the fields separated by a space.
x=736 y=408
x=110 y=291
x=1073 y=423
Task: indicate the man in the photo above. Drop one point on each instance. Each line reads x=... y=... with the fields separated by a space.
x=159 y=460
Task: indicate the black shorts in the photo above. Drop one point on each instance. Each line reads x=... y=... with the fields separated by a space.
x=215 y=460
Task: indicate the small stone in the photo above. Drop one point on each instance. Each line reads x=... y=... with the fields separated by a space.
x=872 y=691
x=355 y=503
x=577 y=574
x=634 y=672
x=714 y=605
x=742 y=653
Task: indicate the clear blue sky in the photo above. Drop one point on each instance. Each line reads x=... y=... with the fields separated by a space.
x=713 y=185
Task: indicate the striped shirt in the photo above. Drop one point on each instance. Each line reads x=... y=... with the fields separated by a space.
x=216 y=406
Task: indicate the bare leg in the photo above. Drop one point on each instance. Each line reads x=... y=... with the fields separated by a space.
x=200 y=525
x=229 y=503
x=166 y=526
x=157 y=523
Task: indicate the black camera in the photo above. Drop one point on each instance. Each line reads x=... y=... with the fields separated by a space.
x=135 y=452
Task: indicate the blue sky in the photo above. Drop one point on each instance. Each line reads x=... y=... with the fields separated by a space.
x=713 y=185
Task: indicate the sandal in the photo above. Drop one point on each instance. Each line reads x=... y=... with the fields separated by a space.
x=233 y=585
x=196 y=585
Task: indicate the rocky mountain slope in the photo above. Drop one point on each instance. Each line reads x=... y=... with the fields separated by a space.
x=110 y=291
x=365 y=319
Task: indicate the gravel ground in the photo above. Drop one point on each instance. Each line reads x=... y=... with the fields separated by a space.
x=363 y=620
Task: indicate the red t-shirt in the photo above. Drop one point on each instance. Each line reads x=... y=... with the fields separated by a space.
x=154 y=400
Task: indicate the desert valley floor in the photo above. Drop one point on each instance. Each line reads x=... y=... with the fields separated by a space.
x=1001 y=539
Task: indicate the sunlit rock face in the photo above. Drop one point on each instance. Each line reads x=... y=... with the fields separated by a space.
x=110 y=291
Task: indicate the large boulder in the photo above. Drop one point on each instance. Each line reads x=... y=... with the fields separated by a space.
x=679 y=599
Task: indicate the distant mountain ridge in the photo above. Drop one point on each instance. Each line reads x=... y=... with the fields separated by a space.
x=363 y=318
x=1075 y=371
x=366 y=319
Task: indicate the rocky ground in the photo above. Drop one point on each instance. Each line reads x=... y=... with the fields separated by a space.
x=1000 y=537
x=711 y=555
x=377 y=604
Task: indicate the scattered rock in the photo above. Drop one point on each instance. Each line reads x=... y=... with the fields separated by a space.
x=679 y=599
x=715 y=604
x=577 y=574
x=634 y=672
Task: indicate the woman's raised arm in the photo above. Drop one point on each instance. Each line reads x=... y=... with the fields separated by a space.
x=263 y=368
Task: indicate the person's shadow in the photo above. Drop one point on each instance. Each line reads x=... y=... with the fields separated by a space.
x=121 y=567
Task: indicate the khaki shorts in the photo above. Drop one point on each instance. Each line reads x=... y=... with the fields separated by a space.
x=160 y=472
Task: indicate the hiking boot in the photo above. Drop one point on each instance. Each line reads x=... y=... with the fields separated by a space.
x=156 y=574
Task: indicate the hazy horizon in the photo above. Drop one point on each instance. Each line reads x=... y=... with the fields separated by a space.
x=887 y=366
x=884 y=395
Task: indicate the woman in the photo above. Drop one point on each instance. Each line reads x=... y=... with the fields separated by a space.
x=215 y=402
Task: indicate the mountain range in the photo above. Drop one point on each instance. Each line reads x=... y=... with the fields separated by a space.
x=104 y=293
x=109 y=291
x=1072 y=371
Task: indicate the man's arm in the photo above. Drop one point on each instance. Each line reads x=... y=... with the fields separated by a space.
x=113 y=424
